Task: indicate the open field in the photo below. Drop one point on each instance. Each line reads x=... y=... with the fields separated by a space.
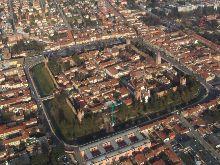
x=65 y=121
x=42 y=80
x=62 y=116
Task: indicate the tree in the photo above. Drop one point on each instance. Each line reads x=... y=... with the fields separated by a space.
x=117 y=2
x=22 y=146
x=27 y=29
x=77 y=60
x=152 y=3
x=123 y=111
x=54 y=66
x=45 y=148
x=29 y=115
x=6 y=117
x=116 y=95
x=24 y=45
x=56 y=153
x=41 y=159
x=55 y=36
x=66 y=66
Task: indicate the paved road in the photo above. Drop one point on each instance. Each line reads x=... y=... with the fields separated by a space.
x=196 y=135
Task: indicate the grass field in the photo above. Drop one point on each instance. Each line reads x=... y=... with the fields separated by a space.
x=42 y=80
x=65 y=121
x=62 y=117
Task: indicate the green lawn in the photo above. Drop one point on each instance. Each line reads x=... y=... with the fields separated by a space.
x=65 y=121
x=42 y=80
x=62 y=117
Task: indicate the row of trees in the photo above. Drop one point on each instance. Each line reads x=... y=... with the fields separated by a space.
x=182 y=96
x=66 y=122
x=139 y=44
x=6 y=117
x=150 y=20
x=48 y=156
x=23 y=46
x=54 y=65
x=214 y=37
x=62 y=116
x=174 y=13
x=57 y=67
